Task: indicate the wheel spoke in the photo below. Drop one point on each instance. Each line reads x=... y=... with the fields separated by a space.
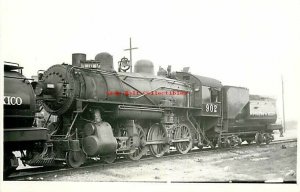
x=157 y=133
x=183 y=132
x=141 y=149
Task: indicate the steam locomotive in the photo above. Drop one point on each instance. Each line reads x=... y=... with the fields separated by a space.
x=106 y=113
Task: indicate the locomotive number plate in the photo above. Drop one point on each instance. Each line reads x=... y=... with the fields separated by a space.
x=211 y=108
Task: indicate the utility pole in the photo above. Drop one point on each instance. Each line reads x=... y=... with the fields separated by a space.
x=283 y=113
x=130 y=53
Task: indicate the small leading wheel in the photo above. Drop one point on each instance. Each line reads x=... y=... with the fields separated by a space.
x=75 y=158
x=157 y=133
x=109 y=159
x=183 y=132
x=142 y=148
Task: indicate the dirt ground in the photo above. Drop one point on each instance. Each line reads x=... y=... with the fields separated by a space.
x=272 y=163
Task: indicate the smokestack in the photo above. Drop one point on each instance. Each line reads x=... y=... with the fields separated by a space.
x=77 y=58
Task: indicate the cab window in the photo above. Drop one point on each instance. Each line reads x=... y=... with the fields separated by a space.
x=214 y=95
x=206 y=95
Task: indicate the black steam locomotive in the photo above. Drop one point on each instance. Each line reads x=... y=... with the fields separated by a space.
x=104 y=113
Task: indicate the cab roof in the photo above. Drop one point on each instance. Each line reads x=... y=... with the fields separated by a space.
x=204 y=81
x=209 y=82
x=11 y=67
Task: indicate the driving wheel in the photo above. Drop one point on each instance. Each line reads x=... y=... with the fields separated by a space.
x=142 y=148
x=183 y=132
x=159 y=134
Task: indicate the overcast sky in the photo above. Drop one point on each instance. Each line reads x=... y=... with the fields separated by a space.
x=244 y=43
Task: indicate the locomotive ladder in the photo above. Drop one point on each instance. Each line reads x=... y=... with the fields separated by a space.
x=220 y=120
x=75 y=118
x=198 y=129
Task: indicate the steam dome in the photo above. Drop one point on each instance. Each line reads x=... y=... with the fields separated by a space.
x=144 y=66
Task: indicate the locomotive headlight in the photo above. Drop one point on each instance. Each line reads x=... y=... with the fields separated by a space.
x=38 y=90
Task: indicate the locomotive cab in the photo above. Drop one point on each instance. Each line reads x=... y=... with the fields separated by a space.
x=206 y=95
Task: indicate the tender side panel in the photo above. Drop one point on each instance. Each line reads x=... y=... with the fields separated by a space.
x=19 y=101
x=235 y=101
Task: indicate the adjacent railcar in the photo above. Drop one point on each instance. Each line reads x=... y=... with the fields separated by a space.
x=19 y=112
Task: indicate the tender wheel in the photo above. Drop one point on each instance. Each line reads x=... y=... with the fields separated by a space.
x=109 y=158
x=200 y=146
x=142 y=148
x=213 y=143
x=240 y=141
x=228 y=143
x=183 y=132
x=8 y=168
x=157 y=133
x=224 y=142
x=219 y=142
x=259 y=138
x=268 y=138
x=75 y=158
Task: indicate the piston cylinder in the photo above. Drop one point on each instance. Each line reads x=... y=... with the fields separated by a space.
x=102 y=142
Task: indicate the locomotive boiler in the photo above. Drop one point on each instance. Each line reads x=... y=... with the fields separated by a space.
x=104 y=113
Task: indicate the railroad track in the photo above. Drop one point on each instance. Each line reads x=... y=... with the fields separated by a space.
x=30 y=173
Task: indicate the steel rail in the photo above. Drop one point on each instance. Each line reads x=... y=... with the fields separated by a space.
x=123 y=161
